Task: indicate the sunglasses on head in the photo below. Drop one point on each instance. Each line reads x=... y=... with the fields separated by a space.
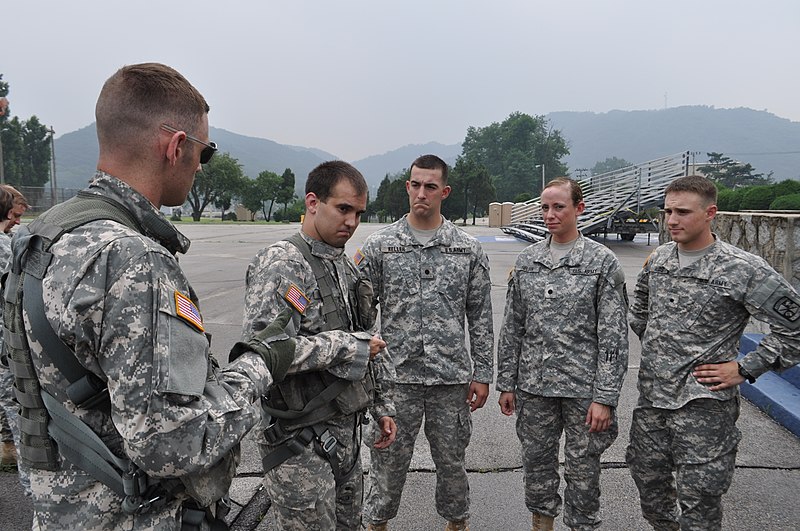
x=208 y=151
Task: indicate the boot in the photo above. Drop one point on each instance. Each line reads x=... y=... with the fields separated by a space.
x=378 y=527
x=542 y=522
x=457 y=525
x=8 y=453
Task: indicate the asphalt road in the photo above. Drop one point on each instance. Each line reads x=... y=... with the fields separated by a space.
x=764 y=490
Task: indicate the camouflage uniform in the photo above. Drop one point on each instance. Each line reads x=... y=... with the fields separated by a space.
x=425 y=292
x=564 y=345
x=9 y=429
x=687 y=317
x=8 y=410
x=303 y=490
x=111 y=294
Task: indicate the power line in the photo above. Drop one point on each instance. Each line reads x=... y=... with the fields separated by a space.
x=768 y=153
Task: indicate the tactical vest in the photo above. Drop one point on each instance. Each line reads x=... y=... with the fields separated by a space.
x=310 y=398
x=47 y=429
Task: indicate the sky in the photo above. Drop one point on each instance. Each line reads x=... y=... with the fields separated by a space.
x=360 y=78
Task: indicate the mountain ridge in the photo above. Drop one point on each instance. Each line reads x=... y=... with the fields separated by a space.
x=767 y=141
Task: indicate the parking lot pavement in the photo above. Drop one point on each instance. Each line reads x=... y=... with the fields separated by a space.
x=763 y=495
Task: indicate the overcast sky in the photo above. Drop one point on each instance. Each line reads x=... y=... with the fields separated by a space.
x=358 y=78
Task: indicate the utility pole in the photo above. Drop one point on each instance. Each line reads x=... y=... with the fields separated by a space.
x=3 y=107
x=53 y=184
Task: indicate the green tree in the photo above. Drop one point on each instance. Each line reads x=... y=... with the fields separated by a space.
x=220 y=177
x=391 y=201
x=26 y=148
x=378 y=204
x=293 y=212
x=269 y=183
x=286 y=191
x=511 y=150
x=757 y=197
x=610 y=164
x=730 y=173
x=472 y=189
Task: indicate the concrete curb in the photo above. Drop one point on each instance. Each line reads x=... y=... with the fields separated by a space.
x=777 y=394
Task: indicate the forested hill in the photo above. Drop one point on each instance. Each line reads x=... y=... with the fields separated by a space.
x=76 y=156
x=768 y=142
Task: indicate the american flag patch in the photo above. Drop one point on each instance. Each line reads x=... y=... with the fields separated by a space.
x=186 y=310
x=358 y=257
x=296 y=298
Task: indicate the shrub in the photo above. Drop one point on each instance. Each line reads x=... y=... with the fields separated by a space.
x=758 y=198
x=730 y=200
x=786 y=202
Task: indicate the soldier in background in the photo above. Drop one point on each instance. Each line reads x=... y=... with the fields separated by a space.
x=311 y=446
x=118 y=306
x=430 y=277
x=693 y=299
x=12 y=206
x=562 y=357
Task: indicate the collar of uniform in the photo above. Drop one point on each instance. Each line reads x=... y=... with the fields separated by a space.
x=322 y=249
x=572 y=258
x=155 y=224
x=701 y=268
x=443 y=235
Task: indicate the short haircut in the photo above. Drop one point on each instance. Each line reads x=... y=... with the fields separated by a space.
x=574 y=188
x=16 y=195
x=322 y=179
x=431 y=162
x=137 y=99
x=6 y=202
x=696 y=185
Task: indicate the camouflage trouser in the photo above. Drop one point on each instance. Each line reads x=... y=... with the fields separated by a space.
x=540 y=421
x=8 y=422
x=448 y=427
x=8 y=408
x=304 y=493
x=698 y=441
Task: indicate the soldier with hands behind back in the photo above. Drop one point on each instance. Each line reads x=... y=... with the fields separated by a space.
x=562 y=357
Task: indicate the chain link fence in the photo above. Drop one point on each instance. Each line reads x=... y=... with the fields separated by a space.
x=40 y=198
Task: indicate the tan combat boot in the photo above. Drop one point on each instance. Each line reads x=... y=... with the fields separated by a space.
x=378 y=527
x=8 y=453
x=457 y=525
x=542 y=522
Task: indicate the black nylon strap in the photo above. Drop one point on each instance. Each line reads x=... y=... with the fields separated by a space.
x=328 y=394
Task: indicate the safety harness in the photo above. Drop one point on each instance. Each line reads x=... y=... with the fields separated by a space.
x=47 y=427
x=298 y=407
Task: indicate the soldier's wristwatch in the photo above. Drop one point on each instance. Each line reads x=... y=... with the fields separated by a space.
x=744 y=374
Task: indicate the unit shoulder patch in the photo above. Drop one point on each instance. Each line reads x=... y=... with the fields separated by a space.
x=788 y=309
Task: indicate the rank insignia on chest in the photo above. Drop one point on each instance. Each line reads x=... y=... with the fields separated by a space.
x=296 y=298
x=358 y=257
x=186 y=310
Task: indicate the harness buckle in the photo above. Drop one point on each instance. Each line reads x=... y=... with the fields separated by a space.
x=327 y=443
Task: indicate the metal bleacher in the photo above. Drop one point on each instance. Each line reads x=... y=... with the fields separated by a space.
x=615 y=201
